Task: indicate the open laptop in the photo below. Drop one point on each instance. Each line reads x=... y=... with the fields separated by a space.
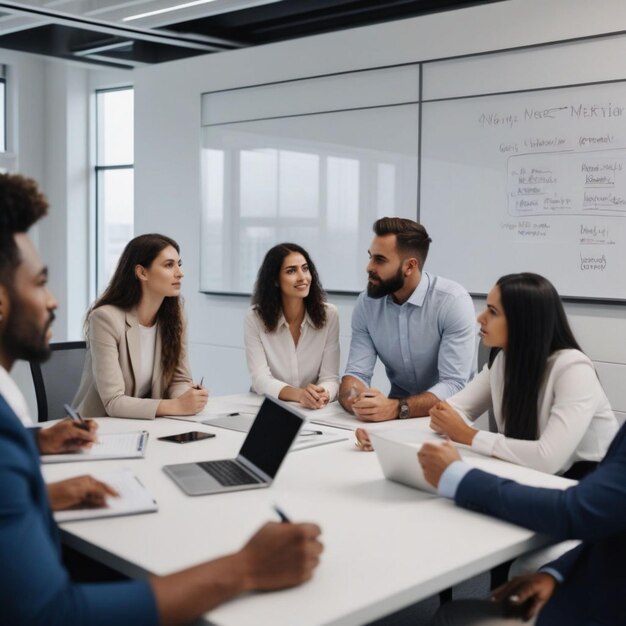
x=399 y=462
x=261 y=455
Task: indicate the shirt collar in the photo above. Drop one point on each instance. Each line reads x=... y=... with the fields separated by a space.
x=14 y=397
x=419 y=293
x=283 y=322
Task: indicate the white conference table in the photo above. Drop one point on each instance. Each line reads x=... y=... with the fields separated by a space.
x=386 y=545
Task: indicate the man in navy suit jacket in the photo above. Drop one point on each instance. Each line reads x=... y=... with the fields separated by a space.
x=584 y=587
x=35 y=587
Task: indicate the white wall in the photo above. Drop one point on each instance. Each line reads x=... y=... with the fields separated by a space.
x=167 y=121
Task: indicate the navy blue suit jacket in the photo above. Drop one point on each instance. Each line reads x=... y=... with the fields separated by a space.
x=34 y=586
x=594 y=510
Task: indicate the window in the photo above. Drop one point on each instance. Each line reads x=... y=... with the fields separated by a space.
x=114 y=179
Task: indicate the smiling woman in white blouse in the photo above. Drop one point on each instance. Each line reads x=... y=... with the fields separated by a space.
x=550 y=409
x=291 y=332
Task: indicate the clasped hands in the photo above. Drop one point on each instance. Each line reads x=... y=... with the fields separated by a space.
x=314 y=396
x=446 y=421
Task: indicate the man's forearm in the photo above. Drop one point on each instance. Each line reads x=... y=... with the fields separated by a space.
x=349 y=390
x=421 y=403
x=184 y=596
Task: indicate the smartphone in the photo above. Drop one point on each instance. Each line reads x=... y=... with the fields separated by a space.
x=194 y=435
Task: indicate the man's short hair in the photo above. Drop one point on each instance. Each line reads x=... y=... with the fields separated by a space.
x=411 y=237
x=21 y=205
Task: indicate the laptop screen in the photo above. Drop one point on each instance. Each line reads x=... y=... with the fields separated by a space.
x=270 y=437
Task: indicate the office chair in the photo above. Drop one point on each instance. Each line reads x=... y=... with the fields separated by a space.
x=56 y=381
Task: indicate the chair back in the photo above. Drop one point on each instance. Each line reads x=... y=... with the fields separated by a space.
x=56 y=381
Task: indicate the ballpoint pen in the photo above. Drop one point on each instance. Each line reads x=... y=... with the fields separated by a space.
x=283 y=518
x=305 y=433
x=75 y=415
x=199 y=385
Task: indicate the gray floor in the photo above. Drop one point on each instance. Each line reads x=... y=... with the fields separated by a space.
x=421 y=613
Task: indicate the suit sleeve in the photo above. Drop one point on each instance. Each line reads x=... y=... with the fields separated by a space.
x=36 y=589
x=593 y=509
x=103 y=336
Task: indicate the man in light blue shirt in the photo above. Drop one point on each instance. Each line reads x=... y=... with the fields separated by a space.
x=421 y=326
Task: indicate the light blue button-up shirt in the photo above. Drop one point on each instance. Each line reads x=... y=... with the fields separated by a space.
x=429 y=343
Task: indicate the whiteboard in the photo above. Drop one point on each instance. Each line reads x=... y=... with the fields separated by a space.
x=528 y=181
x=318 y=180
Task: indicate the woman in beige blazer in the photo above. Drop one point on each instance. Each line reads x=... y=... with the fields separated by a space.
x=136 y=363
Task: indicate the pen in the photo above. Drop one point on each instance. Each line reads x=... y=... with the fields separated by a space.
x=304 y=433
x=233 y=414
x=199 y=385
x=283 y=518
x=75 y=415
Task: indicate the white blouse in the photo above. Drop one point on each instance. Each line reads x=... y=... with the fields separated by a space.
x=576 y=422
x=274 y=361
x=143 y=378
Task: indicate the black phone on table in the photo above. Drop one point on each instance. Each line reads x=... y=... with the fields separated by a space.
x=194 y=435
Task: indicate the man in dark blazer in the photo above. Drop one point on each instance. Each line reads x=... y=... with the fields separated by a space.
x=35 y=587
x=584 y=587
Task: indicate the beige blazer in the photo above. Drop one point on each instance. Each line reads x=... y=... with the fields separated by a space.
x=108 y=385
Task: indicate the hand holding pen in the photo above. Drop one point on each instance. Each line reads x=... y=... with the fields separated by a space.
x=69 y=435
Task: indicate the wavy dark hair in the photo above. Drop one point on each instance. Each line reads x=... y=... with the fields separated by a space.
x=267 y=296
x=124 y=291
x=537 y=327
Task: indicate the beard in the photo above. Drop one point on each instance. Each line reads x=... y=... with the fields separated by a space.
x=385 y=287
x=23 y=338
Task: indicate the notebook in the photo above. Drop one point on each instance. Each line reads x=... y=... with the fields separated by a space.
x=133 y=498
x=399 y=462
x=109 y=446
x=274 y=430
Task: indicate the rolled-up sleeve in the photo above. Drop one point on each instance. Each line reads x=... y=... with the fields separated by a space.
x=457 y=350
x=362 y=356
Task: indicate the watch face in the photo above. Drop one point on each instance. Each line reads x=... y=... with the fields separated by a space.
x=404 y=409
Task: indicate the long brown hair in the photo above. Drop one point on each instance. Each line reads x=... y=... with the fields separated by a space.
x=124 y=291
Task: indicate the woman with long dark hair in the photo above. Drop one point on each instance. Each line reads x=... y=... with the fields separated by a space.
x=291 y=332
x=136 y=363
x=550 y=409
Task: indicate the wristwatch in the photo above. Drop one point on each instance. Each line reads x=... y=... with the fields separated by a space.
x=405 y=411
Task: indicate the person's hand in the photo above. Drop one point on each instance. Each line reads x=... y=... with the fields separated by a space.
x=82 y=491
x=363 y=441
x=314 y=397
x=446 y=421
x=281 y=555
x=66 y=436
x=192 y=401
x=525 y=595
x=435 y=458
x=373 y=406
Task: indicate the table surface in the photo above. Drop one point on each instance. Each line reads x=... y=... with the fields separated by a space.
x=386 y=545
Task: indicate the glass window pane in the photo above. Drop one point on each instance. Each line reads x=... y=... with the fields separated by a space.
x=115 y=206
x=115 y=127
x=3 y=143
x=299 y=184
x=259 y=182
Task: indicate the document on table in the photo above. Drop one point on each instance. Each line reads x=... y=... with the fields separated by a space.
x=311 y=438
x=134 y=498
x=109 y=446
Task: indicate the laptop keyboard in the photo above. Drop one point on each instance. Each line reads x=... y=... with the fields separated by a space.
x=228 y=473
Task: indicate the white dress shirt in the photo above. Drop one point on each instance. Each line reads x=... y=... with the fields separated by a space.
x=576 y=422
x=274 y=361
x=14 y=397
